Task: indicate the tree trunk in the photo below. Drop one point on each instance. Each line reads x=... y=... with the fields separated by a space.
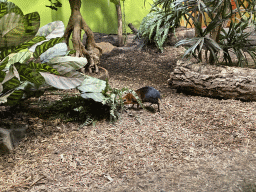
x=75 y=24
x=214 y=81
x=120 y=25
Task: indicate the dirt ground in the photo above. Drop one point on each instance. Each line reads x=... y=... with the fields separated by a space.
x=194 y=144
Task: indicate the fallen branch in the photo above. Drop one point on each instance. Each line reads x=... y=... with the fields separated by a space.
x=134 y=30
x=214 y=81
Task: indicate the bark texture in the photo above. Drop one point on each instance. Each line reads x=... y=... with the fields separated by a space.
x=120 y=25
x=134 y=30
x=214 y=81
x=75 y=24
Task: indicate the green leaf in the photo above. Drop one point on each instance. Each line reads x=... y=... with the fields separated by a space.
x=67 y=66
x=91 y=84
x=10 y=74
x=75 y=63
x=4 y=97
x=14 y=97
x=46 y=45
x=20 y=57
x=28 y=74
x=60 y=82
x=11 y=85
x=95 y=96
x=5 y=52
x=93 y=88
x=3 y=63
x=8 y=7
x=17 y=29
x=42 y=68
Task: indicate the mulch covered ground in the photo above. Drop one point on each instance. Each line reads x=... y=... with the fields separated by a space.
x=194 y=144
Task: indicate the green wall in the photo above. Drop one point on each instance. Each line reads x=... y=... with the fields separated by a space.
x=100 y=15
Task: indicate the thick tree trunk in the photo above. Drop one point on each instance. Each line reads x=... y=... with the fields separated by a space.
x=75 y=24
x=214 y=81
x=120 y=25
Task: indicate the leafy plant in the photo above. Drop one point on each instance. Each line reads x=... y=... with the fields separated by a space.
x=236 y=41
x=214 y=38
x=45 y=64
x=113 y=98
x=23 y=76
x=157 y=24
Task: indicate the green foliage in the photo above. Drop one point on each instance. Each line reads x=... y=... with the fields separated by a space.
x=87 y=110
x=16 y=29
x=236 y=40
x=21 y=79
x=157 y=24
x=46 y=45
x=91 y=88
x=114 y=99
x=210 y=38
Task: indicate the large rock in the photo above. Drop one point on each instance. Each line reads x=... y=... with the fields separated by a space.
x=10 y=137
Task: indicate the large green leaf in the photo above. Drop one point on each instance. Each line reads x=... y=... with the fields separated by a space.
x=68 y=65
x=52 y=30
x=15 y=97
x=11 y=28
x=16 y=29
x=91 y=84
x=5 y=52
x=59 y=49
x=8 y=7
x=11 y=84
x=10 y=74
x=31 y=24
x=60 y=82
x=16 y=91
x=3 y=97
x=20 y=57
x=95 y=96
x=30 y=75
x=3 y=63
x=46 y=45
x=42 y=67
x=92 y=88
x=49 y=31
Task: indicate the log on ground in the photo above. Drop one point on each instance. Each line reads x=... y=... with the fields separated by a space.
x=214 y=81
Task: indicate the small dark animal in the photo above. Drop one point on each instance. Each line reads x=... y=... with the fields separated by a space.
x=146 y=94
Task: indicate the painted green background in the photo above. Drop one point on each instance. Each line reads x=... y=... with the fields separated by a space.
x=100 y=15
